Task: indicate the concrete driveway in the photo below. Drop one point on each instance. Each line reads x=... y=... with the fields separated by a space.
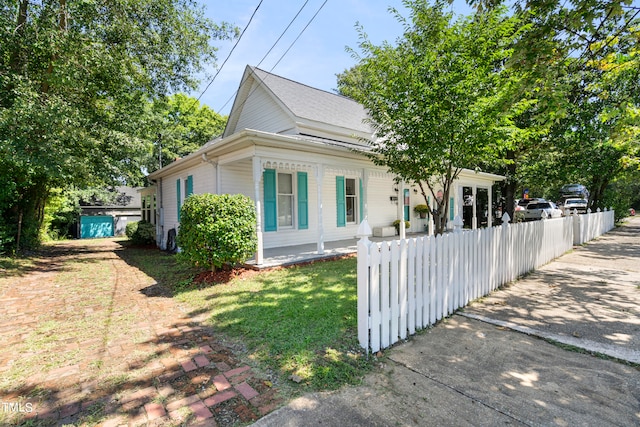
x=559 y=347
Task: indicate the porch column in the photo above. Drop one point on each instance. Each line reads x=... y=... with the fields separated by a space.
x=401 y=229
x=257 y=176
x=490 y=209
x=474 y=194
x=365 y=196
x=218 y=183
x=319 y=184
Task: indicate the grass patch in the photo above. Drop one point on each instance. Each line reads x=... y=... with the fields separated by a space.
x=580 y=350
x=299 y=322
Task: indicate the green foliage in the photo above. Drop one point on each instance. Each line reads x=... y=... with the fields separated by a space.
x=622 y=194
x=396 y=224
x=141 y=232
x=76 y=79
x=184 y=126
x=580 y=62
x=130 y=229
x=421 y=209
x=216 y=230
x=434 y=98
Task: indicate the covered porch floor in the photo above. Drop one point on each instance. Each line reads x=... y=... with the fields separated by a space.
x=299 y=254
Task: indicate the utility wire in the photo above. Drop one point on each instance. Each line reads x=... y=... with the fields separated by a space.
x=193 y=104
x=303 y=30
x=281 y=57
x=270 y=49
x=231 y=52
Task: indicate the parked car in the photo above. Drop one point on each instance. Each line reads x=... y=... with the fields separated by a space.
x=535 y=211
x=580 y=205
x=574 y=191
x=522 y=204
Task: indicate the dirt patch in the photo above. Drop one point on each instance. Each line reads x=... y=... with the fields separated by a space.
x=224 y=276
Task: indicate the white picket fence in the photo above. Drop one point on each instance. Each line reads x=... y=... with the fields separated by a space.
x=406 y=285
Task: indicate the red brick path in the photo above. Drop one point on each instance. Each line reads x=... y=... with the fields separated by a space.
x=114 y=349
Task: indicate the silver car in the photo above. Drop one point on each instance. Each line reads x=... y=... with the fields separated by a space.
x=540 y=210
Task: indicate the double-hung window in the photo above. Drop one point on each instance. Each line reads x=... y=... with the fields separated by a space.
x=349 y=200
x=188 y=190
x=285 y=200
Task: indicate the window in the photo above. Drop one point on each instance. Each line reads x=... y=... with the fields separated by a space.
x=279 y=204
x=351 y=200
x=285 y=200
x=348 y=201
x=188 y=190
x=188 y=186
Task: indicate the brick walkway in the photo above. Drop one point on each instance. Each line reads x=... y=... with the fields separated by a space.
x=111 y=348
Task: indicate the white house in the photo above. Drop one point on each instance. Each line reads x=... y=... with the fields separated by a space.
x=297 y=152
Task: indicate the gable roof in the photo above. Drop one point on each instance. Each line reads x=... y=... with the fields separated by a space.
x=309 y=108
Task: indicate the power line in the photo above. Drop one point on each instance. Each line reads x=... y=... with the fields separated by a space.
x=193 y=104
x=303 y=30
x=231 y=52
x=281 y=57
x=270 y=49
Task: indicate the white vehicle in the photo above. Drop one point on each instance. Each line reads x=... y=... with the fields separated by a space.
x=580 y=205
x=535 y=210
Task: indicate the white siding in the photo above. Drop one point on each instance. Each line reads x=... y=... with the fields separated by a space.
x=237 y=178
x=261 y=112
x=204 y=178
x=382 y=211
x=330 y=209
x=203 y=182
x=169 y=202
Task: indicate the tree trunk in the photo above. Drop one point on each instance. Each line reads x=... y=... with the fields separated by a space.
x=21 y=21
x=510 y=186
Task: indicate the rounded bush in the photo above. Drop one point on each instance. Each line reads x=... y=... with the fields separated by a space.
x=141 y=232
x=130 y=229
x=217 y=229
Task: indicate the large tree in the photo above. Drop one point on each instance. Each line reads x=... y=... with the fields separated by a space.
x=179 y=125
x=74 y=81
x=581 y=60
x=434 y=97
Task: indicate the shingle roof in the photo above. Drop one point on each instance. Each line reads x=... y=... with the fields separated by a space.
x=314 y=104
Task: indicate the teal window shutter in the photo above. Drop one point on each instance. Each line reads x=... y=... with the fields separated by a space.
x=303 y=202
x=270 y=200
x=341 y=202
x=451 y=208
x=178 y=197
x=189 y=189
x=361 y=202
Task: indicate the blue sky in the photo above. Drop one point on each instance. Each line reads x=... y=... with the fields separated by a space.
x=317 y=56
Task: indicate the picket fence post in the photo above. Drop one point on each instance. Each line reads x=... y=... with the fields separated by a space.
x=364 y=244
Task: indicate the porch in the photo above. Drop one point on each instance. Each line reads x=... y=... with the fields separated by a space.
x=299 y=254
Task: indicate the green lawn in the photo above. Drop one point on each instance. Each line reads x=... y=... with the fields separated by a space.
x=298 y=321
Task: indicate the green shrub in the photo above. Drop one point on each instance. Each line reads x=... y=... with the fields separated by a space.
x=141 y=232
x=130 y=229
x=217 y=229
